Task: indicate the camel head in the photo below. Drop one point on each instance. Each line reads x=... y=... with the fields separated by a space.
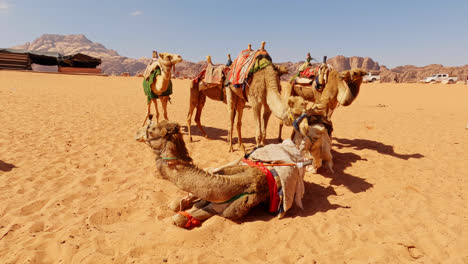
x=305 y=136
x=348 y=90
x=168 y=59
x=166 y=140
x=281 y=69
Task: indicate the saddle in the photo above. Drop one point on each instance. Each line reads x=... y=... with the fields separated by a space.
x=314 y=76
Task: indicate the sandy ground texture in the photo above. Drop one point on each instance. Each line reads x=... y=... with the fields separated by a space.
x=75 y=187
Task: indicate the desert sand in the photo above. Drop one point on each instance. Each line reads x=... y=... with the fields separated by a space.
x=75 y=187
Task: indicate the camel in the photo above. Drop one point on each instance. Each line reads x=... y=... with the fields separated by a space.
x=310 y=134
x=229 y=191
x=161 y=87
x=339 y=88
x=199 y=90
x=262 y=90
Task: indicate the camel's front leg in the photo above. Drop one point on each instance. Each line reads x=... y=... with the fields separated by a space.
x=201 y=104
x=164 y=100
x=232 y=113
x=240 y=109
x=266 y=117
x=155 y=102
x=199 y=213
x=256 y=107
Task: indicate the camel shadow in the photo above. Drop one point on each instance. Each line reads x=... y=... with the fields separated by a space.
x=315 y=200
x=360 y=144
x=5 y=166
x=341 y=161
x=212 y=132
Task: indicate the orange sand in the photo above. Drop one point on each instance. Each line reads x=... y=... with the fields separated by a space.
x=75 y=187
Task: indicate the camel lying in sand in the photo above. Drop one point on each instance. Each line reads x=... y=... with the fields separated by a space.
x=310 y=134
x=161 y=87
x=229 y=191
x=337 y=88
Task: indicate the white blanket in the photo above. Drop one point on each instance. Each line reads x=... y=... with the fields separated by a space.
x=292 y=178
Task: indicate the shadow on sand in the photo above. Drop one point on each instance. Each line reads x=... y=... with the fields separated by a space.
x=360 y=144
x=4 y=166
x=212 y=132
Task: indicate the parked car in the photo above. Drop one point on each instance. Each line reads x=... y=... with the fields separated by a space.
x=371 y=77
x=440 y=78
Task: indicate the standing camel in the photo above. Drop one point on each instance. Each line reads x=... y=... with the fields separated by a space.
x=262 y=89
x=200 y=89
x=157 y=82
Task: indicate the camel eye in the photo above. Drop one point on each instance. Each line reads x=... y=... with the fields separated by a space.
x=169 y=57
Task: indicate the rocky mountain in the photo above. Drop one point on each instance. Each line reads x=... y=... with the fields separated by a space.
x=114 y=64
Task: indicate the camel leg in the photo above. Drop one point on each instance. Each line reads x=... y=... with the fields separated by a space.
x=266 y=117
x=240 y=207
x=201 y=104
x=256 y=112
x=155 y=102
x=147 y=113
x=200 y=213
x=280 y=130
x=164 y=100
x=240 y=109
x=232 y=114
x=189 y=120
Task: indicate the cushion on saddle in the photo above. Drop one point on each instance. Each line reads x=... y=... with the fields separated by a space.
x=309 y=72
x=243 y=64
x=214 y=74
x=292 y=178
x=147 y=81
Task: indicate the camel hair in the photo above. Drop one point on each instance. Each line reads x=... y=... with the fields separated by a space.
x=310 y=135
x=229 y=191
x=198 y=93
x=166 y=62
x=174 y=164
x=340 y=88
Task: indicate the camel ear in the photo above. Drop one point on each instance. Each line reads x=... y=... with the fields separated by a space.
x=163 y=131
x=291 y=102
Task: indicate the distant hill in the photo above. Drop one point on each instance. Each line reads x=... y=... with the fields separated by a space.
x=114 y=64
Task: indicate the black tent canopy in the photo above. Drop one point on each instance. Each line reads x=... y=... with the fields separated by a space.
x=22 y=59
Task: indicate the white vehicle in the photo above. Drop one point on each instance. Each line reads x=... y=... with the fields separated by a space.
x=371 y=77
x=440 y=78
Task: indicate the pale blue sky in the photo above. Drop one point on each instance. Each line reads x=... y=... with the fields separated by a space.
x=391 y=32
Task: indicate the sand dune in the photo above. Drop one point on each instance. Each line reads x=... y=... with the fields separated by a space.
x=75 y=187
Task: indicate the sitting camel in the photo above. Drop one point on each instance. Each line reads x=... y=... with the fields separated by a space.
x=229 y=191
x=157 y=82
x=334 y=88
x=262 y=89
x=200 y=88
x=310 y=134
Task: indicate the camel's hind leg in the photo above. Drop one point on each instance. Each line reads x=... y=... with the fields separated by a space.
x=155 y=102
x=164 y=100
x=201 y=104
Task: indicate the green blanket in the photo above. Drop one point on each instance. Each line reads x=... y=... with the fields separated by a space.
x=259 y=65
x=147 y=86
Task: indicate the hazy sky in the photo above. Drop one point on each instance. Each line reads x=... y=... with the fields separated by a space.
x=391 y=32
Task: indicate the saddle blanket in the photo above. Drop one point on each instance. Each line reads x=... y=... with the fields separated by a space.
x=242 y=64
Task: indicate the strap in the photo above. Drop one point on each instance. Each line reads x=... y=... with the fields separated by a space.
x=192 y=221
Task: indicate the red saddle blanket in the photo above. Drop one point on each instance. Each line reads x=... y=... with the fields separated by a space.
x=309 y=72
x=242 y=64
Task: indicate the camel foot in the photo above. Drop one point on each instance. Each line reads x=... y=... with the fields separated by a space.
x=182 y=204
